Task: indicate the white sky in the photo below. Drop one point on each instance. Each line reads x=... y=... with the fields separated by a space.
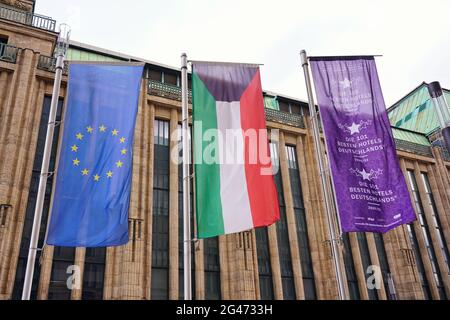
x=413 y=36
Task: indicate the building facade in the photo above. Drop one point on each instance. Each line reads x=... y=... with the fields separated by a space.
x=289 y=260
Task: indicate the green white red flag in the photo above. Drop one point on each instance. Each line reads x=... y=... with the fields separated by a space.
x=234 y=185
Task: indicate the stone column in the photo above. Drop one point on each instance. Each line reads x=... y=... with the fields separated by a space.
x=275 y=262
x=149 y=204
x=326 y=280
x=359 y=269
x=109 y=274
x=45 y=274
x=314 y=242
x=18 y=134
x=402 y=264
x=129 y=285
x=173 y=210
x=382 y=294
x=79 y=261
x=255 y=265
x=240 y=282
x=200 y=268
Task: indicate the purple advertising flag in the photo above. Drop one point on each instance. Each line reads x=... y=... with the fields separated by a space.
x=370 y=188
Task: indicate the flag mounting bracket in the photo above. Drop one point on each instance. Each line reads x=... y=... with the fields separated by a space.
x=224 y=63
x=345 y=56
x=37 y=249
x=336 y=240
x=55 y=123
x=191 y=176
x=48 y=174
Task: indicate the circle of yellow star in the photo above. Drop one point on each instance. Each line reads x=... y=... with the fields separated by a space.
x=74 y=148
x=102 y=128
x=122 y=140
x=96 y=177
x=85 y=172
x=123 y=151
x=119 y=164
x=76 y=162
x=115 y=132
x=89 y=129
x=109 y=174
x=79 y=136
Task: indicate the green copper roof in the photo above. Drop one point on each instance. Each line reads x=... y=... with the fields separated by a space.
x=416 y=112
x=74 y=54
x=414 y=137
x=271 y=103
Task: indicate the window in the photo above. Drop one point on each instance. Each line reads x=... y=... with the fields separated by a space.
x=296 y=108
x=29 y=215
x=284 y=106
x=94 y=273
x=352 y=279
x=155 y=75
x=264 y=267
x=287 y=275
x=426 y=234
x=301 y=225
x=160 y=235
x=170 y=78
x=3 y=42
x=290 y=107
x=366 y=261
x=436 y=220
x=384 y=265
x=212 y=269
x=63 y=258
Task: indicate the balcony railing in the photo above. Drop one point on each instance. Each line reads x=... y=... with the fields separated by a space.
x=172 y=92
x=49 y=64
x=28 y=18
x=283 y=117
x=412 y=147
x=165 y=90
x=8 y=53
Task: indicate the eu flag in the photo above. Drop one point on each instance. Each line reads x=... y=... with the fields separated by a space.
x=93 y=182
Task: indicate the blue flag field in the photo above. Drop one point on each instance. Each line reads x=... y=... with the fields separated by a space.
x=94 y=172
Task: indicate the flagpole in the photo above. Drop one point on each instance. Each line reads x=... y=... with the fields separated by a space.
x=61 y=47
x=186 y=180
x=327 y=196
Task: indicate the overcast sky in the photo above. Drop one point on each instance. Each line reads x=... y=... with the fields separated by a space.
x=413 y=36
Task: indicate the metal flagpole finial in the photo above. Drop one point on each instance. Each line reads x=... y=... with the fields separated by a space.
x=62 y=43
x=303 y=57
